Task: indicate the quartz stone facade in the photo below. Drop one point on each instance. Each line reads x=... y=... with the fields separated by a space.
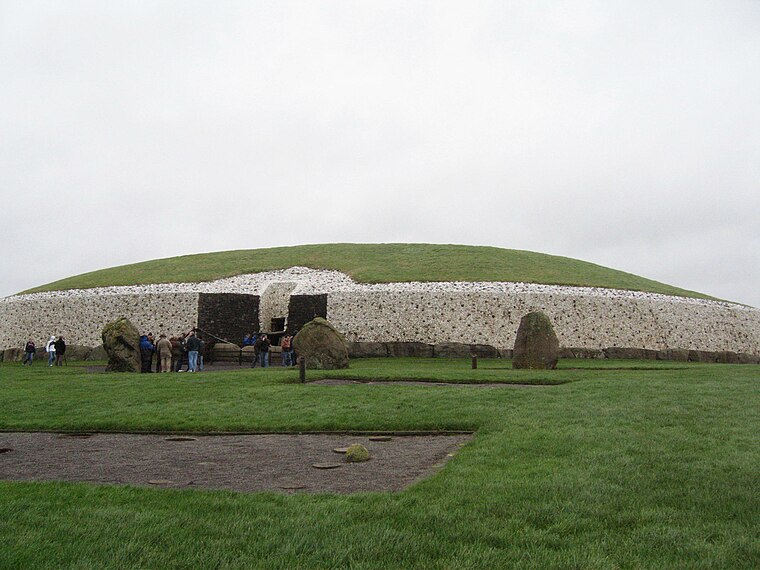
x=430 y=313
x=80 y=319
x=580 y=320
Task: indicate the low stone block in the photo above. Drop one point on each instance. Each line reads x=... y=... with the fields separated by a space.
x=416 y=349
x=367 y=350
x=78 y=352
x=727 y=357
x=98 y=353
x=452 y=350
x=15 y=354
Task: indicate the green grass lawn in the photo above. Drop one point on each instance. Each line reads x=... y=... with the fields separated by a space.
x=376 y=263
x=653 y=466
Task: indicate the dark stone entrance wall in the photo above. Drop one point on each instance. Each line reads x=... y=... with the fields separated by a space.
x=304 y=308
x=228 y=315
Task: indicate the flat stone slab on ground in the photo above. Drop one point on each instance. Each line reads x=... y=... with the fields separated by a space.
x=242 y=463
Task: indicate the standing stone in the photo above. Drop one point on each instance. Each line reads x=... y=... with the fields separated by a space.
x=121 y=341
x=536 y=345
x=323 y=347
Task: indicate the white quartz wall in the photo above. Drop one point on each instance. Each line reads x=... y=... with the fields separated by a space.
x=80 y=319
x=582 y=321
x=474 y=313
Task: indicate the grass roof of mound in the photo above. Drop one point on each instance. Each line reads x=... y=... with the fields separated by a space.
x=375 y=263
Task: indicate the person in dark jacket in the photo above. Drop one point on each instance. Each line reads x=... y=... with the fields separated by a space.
x=193 y=345
x=146 y=354
x=177 y=353
x=255 y=344
x=60 y=351
x=263 y=346
x=29 y=351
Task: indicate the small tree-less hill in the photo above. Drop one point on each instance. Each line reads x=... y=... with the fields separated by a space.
x=375 y=263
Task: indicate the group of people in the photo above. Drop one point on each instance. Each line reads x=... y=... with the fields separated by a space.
x=173 y=353
x=56 y=349
x=261 y=344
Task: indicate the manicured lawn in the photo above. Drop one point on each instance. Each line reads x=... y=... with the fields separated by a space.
x=632 y=468
x=376 y=263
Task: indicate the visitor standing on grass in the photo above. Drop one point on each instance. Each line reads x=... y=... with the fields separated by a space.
x=264 y=345
x=146 y=354
x=29 y=351
x=201 y=353
x=50 y=349
x=177 y=353
x=193 y=345
x=255 y=344
x=164 y=349
x=152 y=341
x=60 y=351
x=285 y=343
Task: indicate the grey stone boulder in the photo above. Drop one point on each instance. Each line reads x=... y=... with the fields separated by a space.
x=505 y=353
x=227 y=352
x=677 y=354
x=321 y=345
x=414 y=349
x=452 y=350
x=121 y=341
x=78 y=352
x=16 y=354
x=367 y=350
x=745 y=358
x=536 y=345
x=98 y=353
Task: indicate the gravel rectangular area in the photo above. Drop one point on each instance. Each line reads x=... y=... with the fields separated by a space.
x=243 y=463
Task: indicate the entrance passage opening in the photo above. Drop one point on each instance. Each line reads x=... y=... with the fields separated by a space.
x=277 y=324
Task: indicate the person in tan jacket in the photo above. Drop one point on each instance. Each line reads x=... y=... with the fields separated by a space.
x=164 y=350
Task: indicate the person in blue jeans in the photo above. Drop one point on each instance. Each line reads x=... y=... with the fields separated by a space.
x=50 y=348
x=29 y=351
x=264 y=345
x=193 y=345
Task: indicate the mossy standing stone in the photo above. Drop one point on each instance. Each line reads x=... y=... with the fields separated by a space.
x=121 y=341
x=321 y=345
x=536 y=346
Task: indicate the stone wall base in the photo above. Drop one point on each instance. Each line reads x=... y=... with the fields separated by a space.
x=461 y=350
x=457 y=350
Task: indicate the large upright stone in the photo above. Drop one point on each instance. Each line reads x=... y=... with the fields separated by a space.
x=536 y=345
x=121 y=341
x=322 y=346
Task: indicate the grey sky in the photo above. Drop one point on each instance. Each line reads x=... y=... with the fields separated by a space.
x=622 y=133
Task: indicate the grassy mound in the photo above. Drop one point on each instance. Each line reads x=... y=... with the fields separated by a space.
x=375 y=263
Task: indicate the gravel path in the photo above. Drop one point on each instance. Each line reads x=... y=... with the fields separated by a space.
x=243 y=463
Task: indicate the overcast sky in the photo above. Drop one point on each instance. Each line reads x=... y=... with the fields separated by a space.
x=622 y=133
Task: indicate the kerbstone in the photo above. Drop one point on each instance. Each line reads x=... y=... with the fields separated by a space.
x=321 y=345
x=121 y=341
x=537 y=346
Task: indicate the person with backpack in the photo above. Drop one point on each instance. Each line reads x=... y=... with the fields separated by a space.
x=60 y=351
x=286 y=344
x=29 y=351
